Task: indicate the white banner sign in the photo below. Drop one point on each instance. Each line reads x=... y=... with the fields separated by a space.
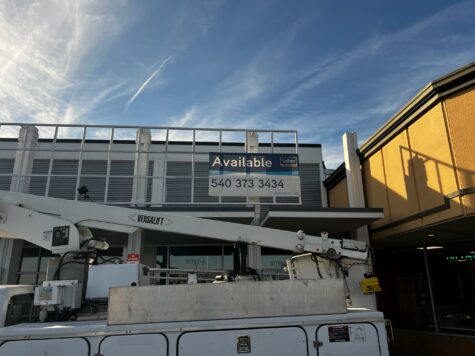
x=254 y=174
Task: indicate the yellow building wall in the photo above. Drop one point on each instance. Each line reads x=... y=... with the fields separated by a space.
x=432 y=164
x=400 y=182
x=338 y=195
x=460 y=111
x=416 y=170
x=375 y=183
x=413 y=172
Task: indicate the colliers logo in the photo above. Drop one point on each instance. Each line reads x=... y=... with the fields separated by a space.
x=288 y=161
x=149 y=219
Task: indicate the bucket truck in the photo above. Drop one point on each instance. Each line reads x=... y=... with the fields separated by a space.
x=309 y=314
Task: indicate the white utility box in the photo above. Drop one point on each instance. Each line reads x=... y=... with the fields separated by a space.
x=65 y=294
x=103 y=277
x=309 y=266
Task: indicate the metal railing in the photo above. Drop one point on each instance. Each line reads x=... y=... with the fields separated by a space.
x=181 y=276
x=109 y=143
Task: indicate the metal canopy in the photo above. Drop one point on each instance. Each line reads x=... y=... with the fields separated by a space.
x=458 y=230
x=331 y=220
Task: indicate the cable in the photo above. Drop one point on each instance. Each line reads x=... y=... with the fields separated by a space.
x=315 y=259
x=345 y=282
x=105 y=260
x=77 y=262
x=56 y=273
x=254 y=272
x=372 y=259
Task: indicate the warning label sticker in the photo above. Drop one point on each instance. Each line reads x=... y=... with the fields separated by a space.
x=345 y=333
x=357 y=333
x=338 y=333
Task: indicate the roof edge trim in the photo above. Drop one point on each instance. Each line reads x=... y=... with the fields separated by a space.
x=425 y=99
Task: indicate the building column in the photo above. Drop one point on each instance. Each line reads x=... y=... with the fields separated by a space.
x=253 y=251
x=158 y=185
x=356 y=199
x=135 y=240
x=143 y=142
x=135 y=243
x=10 y=249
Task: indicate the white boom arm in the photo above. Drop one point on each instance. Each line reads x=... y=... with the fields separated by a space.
x=53 y=224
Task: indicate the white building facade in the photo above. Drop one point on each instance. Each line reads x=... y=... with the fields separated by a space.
x=161 y=169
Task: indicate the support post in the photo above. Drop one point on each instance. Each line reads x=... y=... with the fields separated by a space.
x=135 y=243
x=253 y=251
x=143 y=142
x=431 y=293
x=9 y=248
x=135 y=240
x=356 y=199
x=27 y=141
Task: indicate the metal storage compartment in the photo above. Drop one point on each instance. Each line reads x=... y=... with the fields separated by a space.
x=138 y=344
x=50 y=347
x=278 y=341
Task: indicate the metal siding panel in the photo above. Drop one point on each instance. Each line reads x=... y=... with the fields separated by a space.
x=94 y=167
x=149 y=182
x=95 y=185
x=62 y=187
x=59 y=187
x=178 y=189
x=178 y=168
x=38 y=184
x=120 y=188
x=40 y=166
x=6 y=167
x=64 y=166
x=233 y=199
x=122 y=168
x=202 y=169
x=201 y=191
x=310 y=184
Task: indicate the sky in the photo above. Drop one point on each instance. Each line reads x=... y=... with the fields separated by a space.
x=321 y=67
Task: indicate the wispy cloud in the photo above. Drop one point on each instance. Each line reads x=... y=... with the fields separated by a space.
x=268 y=93
x=145 y=83
x=48 y=54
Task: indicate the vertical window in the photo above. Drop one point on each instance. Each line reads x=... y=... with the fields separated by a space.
x=19 y=309
x=274 y=260
x=196 y=257
x=34 y=261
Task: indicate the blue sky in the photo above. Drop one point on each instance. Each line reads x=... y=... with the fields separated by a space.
x=322 y=67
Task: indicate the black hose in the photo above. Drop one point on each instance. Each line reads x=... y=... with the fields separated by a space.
x=254 y=273
x=56 y=273
x=315 y=259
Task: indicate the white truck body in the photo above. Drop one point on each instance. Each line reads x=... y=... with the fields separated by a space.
x=293 y=317
x=355 y=333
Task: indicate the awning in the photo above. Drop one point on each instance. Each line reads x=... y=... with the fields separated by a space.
x=331 y=220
